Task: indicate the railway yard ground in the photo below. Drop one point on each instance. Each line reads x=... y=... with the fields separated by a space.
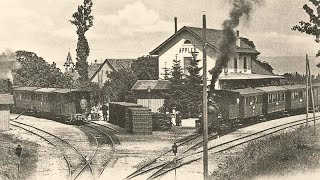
x=297 y=149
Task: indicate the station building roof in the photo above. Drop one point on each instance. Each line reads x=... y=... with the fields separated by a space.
x=244 y=76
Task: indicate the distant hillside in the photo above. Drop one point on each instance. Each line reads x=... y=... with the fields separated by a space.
x=291 y=64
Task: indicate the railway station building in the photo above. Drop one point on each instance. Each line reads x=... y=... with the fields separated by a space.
x=242 y=71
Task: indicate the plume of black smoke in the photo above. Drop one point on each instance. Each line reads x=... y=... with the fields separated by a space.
x=8 y=63
x=227 y=47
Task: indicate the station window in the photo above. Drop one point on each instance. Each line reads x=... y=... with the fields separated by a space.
x=235 y=64
x=245 y=65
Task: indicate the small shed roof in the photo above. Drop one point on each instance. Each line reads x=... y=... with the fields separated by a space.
x=271 y=88
x=25 y=88
x=6 y=99
x=296 y=86
x=153 y=84
x=45 y=90
x=248 y=91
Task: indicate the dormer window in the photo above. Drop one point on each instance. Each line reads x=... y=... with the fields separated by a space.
x=187 y=42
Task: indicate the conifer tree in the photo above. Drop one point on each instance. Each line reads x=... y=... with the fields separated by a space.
x=194 y=87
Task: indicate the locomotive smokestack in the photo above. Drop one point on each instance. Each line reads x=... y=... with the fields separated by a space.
x=175 y=24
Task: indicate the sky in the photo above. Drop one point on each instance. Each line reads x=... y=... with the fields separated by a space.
x=132 y=28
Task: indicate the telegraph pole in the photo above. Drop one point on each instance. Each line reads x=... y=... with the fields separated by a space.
x=205 y=103
x=312 y=97
x=307 y=87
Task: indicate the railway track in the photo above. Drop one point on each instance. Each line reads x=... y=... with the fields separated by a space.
x=104 y=148
x=75 y=159
x=185 y=145
x=185 y=158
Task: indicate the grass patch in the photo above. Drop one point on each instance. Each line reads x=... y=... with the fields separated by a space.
x=9 y=161
x=298 y=150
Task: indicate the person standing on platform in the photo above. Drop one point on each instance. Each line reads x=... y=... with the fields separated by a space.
x=105 y=112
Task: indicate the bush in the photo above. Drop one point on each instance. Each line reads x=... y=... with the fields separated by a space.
x=275 y=155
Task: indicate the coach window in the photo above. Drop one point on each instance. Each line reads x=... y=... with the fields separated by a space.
x=269 y=98
x=260 y=99
x=275 y=97
x=247 y=101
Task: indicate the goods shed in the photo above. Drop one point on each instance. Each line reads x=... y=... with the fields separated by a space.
x=5 y=101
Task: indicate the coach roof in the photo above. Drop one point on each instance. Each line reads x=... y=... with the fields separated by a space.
x=295 y=86
x=271 y=88
x=247 y=91
x=45 y=90
x=25 y=88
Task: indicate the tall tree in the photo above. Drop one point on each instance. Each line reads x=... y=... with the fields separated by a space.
x=146 y=68
x=83 y=20
x=311 y=27
x=35 y=71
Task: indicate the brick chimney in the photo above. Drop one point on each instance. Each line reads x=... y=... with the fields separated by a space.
x=238 y=38
x=175 y=24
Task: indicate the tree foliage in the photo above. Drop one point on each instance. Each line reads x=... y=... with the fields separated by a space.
x=83 y=20
x=35 y=71
x=311 y=27
x=185 y=94
x=118 y=87
x=146 y=68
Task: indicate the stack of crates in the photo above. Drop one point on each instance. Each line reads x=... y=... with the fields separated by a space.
x=118 y=113
x=140 y=121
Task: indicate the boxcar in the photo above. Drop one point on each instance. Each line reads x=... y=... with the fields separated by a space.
x=296 y=98
x=274 y=100
x=42 y=101
x=66 y=103
x=23 y=98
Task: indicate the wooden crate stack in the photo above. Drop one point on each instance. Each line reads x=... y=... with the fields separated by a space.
x=140 y=121
x=118 y=113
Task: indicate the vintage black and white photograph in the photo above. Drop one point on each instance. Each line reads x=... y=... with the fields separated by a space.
x=160 y=89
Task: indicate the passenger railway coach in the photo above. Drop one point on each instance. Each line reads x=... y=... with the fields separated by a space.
x=52 y=103
x=244 y=105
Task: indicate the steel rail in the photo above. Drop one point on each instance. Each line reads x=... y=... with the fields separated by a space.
x=95 y=152
x=72 y=147
x=141 y=171
x=112 y=149
x=64 y=156
x=298 y=122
